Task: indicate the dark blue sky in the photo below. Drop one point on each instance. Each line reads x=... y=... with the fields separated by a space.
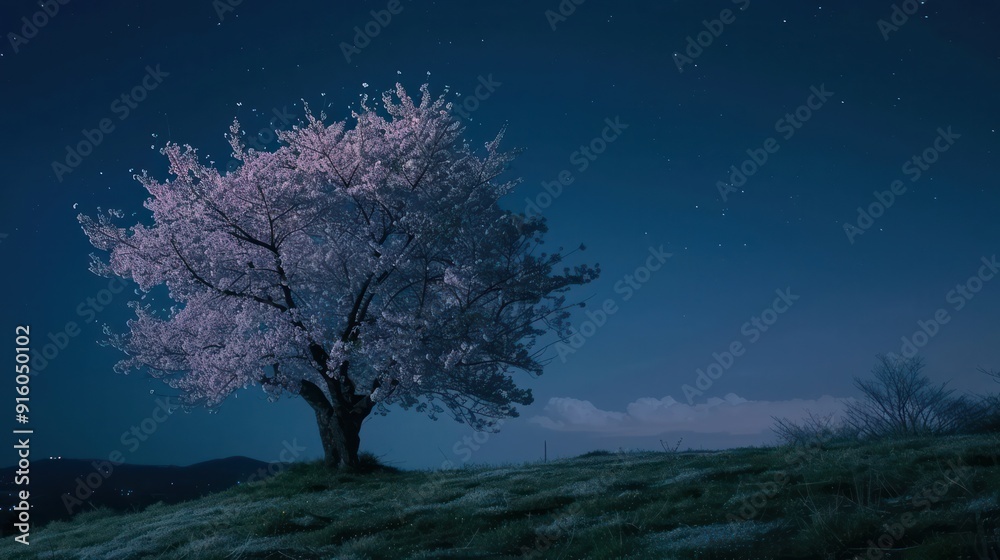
x=890 y=95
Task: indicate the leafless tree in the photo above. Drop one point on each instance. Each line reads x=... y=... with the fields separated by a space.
x=899 y=400
x=991 y=402
x=813 y=431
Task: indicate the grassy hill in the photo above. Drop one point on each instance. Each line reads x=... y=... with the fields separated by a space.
x=126 y=488
x=914 y=499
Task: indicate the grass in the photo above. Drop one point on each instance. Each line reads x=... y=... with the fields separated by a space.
x=899 y=497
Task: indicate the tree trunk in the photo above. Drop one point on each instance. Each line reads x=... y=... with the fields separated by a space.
x=340 y=434
x=339 y=428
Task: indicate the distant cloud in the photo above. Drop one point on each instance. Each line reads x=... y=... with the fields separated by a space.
x=650 y=416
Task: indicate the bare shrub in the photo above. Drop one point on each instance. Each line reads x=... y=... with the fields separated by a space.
x=900 y=401
x=813 y=430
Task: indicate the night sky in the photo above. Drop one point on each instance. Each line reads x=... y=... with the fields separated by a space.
x=839 y=106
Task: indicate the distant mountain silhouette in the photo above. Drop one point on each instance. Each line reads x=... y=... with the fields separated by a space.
x=127 y=488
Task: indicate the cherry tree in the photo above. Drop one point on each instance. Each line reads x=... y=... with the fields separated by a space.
x=362 y=264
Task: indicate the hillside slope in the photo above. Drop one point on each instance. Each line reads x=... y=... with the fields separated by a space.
x=919 y=499
x=60 y=488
